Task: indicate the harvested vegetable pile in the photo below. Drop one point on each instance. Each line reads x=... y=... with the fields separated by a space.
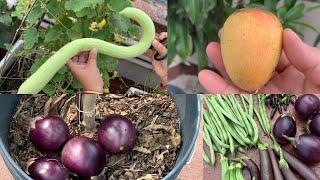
x=154 y=116
x=284 y=149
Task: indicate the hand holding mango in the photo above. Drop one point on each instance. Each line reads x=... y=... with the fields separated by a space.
x=257 y=55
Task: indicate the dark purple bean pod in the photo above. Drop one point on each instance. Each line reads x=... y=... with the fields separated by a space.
x=265 y=165
x=301 y=168
x=253 y=168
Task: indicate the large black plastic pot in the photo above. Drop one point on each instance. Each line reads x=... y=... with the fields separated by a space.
x=188 y=106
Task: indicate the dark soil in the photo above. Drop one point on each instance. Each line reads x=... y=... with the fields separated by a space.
x=2 y=53
x=154 y=115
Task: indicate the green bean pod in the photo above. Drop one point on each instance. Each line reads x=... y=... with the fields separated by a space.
x=37 y=81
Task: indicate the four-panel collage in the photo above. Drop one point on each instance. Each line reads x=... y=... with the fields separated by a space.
x=159 y=89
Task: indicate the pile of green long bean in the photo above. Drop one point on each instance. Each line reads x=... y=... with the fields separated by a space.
x=229 y=126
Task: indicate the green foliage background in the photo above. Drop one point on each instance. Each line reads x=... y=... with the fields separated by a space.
x=72 y=21
x=194 y=23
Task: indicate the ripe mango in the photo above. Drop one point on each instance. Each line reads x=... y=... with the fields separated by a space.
x=251 y=45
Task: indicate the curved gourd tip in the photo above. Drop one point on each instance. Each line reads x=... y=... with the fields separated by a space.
x=37 y=81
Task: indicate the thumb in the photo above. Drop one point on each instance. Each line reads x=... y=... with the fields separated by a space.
x=303 y=57
x=92 y=59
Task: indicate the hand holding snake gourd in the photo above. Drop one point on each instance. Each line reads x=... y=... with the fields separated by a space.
x=37 y=81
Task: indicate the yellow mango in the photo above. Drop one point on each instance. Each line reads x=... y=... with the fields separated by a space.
x=251 y=45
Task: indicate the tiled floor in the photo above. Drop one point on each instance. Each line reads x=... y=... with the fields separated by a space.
x=4 y=172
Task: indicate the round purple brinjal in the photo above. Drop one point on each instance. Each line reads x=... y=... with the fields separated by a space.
x=47 y=169
x=284 y=127
x=307 y=147
x=314 y=125
x=48 y=133
x=307 y=105
x=117 y=134
x=83 y=156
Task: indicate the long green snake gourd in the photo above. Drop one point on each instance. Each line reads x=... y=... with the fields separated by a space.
x=38 y=80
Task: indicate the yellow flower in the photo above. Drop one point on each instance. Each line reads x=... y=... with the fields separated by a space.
x=102 y=24
x=93 y=26
x=117 y=39
x=27 y=1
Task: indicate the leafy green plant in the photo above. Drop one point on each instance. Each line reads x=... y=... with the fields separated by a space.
x=6 y=24
x=194 y=23
x=73 y=19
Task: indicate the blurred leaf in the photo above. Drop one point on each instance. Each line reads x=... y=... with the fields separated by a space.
x=30 y=38
x=295 y=13
x=58 y=77
x=5 y=19
x=34 y=15
x=197 y=10
x=37 y=63
x=288 y=4
x=172 y=36
x=86 y=12
x=78 y=5
x=75 y=84
x=52 y=35
x=305 y=25
x=315 y=7
x=281 y=12
x=49 y=89
x=317 y=41
x=54 y=8
x=183 y=44
x=63 y=70
x=291 y=26
x=118 y=6
x=200 y=49
x=271 y=4
x=75 y=32
x=254 y=5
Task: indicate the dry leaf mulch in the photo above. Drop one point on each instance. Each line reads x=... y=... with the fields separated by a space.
x=154 y=115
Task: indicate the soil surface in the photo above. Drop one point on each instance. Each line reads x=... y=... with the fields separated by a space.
x=154 y=115
x=214 y=172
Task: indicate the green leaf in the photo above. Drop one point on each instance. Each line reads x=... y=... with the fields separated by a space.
x=5 y=19
x=63 y=70
x=183 y=44
x=271 y=4
x=305 y=25
x=317 y=41
x=289 y=3
x=75 y=84
x=116 y=5
x=171 y=39
x=86 y=12
x=312 y=8
x=30 y=38
x=295 y=13
x=200 y=49
x=52 y=35
x=112 y=63
x=119 y=24
x=34 y=15
x=36 y=64
x=49 y=89
x=78 y=5
x=54 y=8
x=291 y=26
x=197 y=10
x=58 y=77
x=75 y=32
x=20 y=10
x=281 y=12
